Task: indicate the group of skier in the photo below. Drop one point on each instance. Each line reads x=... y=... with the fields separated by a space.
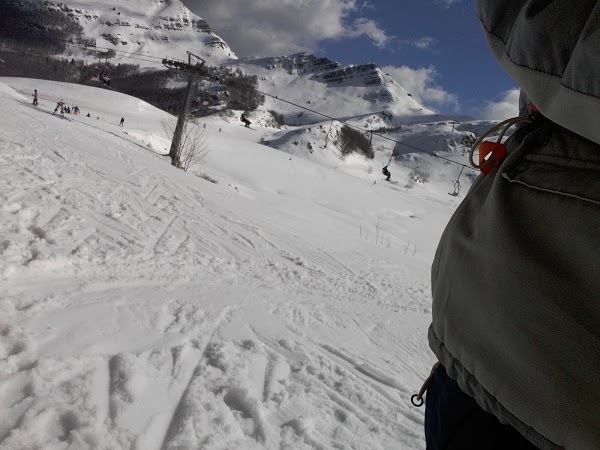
x=62 y=109
x=60 y=106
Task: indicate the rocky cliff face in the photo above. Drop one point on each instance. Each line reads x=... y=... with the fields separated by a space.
x=364 y=75
x=299 y=63
x=153 y=27
x=323 y=69
x=331 y=87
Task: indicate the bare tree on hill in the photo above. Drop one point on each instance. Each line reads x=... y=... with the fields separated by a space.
x=193 y=148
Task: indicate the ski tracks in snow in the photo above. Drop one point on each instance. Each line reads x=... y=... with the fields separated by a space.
x=137 y=313
x=121 y=385
x=256 y=392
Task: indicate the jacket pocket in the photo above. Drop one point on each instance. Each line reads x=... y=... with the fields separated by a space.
x=578 y=179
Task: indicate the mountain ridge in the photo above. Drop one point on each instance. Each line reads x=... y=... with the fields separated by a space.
x=144 y=27
x=167 y=28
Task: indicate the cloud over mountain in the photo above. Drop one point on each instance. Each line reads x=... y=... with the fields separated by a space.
x=423 y=86
x=507 y=106
x=271 y=27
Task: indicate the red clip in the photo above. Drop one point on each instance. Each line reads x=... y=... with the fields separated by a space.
x=491 y=154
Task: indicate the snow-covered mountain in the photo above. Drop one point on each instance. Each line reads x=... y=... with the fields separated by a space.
x=333 y=89
x=146 y=27
x=365 y=97
x=159 y=28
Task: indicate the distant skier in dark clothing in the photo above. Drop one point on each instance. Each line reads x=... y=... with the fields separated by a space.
x=105 y=80
x=122 y=121
x=386 y=173
x=244 y=119
x=35 y=97
x=88 y=115
x=60 y=106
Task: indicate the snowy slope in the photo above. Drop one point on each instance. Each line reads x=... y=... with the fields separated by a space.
x=410 y=169
x=143 y=307
x=146 y=27
x=365 y=97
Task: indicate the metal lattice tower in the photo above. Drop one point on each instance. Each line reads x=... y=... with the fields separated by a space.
x=194 y=71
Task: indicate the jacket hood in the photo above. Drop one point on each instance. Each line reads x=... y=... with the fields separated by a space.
x=550 y=48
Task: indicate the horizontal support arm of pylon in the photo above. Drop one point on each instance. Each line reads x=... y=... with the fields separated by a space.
x=196 y=69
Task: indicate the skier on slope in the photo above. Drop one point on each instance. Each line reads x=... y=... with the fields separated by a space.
x=386 y=173
x=105 y=80
x=516 y=277
x=35 y=97
x=244 y=119
x=60 y=106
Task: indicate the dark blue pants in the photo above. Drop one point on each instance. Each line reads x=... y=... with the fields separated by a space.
x=454 y=421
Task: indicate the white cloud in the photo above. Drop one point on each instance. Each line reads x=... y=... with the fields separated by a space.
x=447 y=3
x=422 y=85
x=272 y=27
x=369 y=28
x=505 y=108
x=424 y=43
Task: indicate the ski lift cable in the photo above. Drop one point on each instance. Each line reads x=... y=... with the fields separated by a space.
x=327 y=136
x=91 y=47
x=275 y=97
x=128 y=55
x=72 y=44
x=136 y=56
x=392 y=155
x=365 y=130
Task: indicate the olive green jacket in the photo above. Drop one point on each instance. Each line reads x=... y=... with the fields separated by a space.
x=516 y=277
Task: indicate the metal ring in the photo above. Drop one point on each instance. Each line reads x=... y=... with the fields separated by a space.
x=416 y=400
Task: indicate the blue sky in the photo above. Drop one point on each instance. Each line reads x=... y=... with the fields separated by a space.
x=435 y=48
x=426 y=33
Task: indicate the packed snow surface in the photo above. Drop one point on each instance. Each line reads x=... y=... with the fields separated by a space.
x=285 y=306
